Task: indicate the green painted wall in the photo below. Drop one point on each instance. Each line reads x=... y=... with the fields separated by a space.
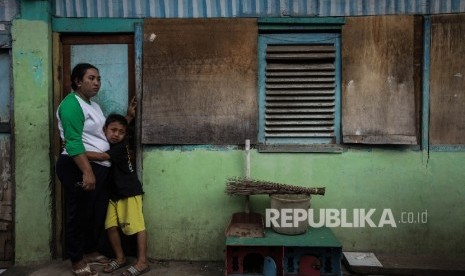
x=32 y=81
x=187 y=210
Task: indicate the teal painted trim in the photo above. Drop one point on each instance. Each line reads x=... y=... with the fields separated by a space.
x=337 y=102
x=318 y=237
x=298 y=141
x=35 y=10
x=311 y=23
x=425 y=85
x=293 y=38
x=94 y=25
x=193 y=147
x=138 y=42
x=302 y=20
x=261 y=88
x=297 y=38
x=326 y=148
x=447 y=148
x=297 y=27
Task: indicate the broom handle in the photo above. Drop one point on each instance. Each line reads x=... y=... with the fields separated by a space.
x=247 y=172
x=247 y=159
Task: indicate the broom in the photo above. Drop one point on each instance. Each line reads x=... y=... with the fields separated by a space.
x=244 y=186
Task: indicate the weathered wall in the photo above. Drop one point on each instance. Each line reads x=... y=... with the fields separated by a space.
x=32 y=89
x=185 y=206
x=187 y=210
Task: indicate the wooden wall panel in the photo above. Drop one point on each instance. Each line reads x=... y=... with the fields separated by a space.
x=199 y=81
x=6 y=203
x=447 y=80
x=380 y=96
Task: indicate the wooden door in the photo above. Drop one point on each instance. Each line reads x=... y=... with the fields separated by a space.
x=113 y=55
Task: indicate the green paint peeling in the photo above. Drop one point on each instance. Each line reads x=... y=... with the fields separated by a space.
x=32 y=81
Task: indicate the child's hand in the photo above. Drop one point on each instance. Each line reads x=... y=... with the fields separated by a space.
x=97 y=156
x=131 y=112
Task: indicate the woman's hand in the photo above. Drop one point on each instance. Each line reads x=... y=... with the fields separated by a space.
x=88 y=177
x=131 y=112
x=88 y=181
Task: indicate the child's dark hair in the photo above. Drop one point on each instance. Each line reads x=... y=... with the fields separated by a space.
x=116 y=118
x=78 y=73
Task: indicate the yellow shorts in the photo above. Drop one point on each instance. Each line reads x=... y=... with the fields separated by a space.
x=126 y=214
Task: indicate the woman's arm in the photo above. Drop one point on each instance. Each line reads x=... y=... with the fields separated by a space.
x=72 y=120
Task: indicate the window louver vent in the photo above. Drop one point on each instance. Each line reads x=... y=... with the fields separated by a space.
x=300 y=91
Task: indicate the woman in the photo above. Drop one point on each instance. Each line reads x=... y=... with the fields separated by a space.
x=80 y=122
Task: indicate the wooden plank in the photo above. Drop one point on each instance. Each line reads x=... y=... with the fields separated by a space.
x=199 y=81
x=6 y=201
x=58 y=211
x=447 y=80
x=379 y=98
x=381 y=139
x=6 y=252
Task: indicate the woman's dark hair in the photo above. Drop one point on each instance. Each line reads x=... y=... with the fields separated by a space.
x=78 y=73
x=116 y=118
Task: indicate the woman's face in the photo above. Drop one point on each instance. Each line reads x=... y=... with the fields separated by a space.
x=90 y=83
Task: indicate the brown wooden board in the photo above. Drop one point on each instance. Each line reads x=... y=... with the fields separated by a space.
x=380 y=93
x=447 y=80
x=199 y=81
x=6 y=205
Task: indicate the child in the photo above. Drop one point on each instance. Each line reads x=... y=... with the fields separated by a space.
x=125 y=206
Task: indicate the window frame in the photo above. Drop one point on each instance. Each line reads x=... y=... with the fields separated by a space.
x=289 y=39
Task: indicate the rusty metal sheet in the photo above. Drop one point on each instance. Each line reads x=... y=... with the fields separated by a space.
x=379 y=90
x=199 y=81
x=447 y=85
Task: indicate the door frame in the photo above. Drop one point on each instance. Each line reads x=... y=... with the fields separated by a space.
x=61 y=45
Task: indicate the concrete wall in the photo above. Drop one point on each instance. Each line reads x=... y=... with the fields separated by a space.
x=187 y=210
x=32 y=81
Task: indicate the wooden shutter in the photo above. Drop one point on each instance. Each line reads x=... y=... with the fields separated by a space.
x=447 y=75
x=199 y=81
x=300 y=91
x=381 y=65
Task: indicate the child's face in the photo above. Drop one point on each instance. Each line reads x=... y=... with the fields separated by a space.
x=115 y=132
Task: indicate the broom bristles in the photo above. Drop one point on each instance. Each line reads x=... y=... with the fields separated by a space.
x=244 y=186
